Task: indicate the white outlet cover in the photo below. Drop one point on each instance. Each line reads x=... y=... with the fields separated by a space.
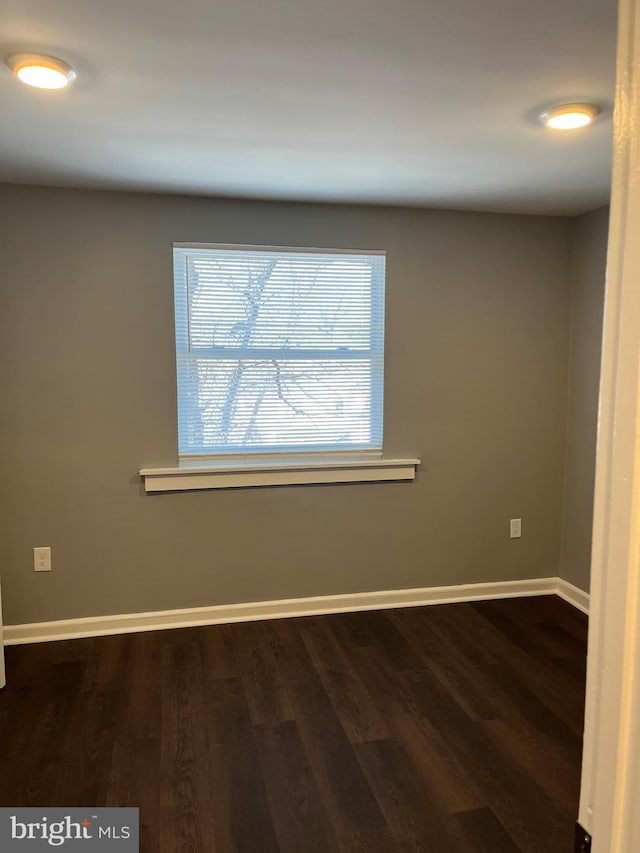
x=515 y=528
x=42 y=559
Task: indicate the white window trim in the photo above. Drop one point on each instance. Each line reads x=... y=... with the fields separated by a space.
x=299 y=250
x=235 y=473
x=298 y=450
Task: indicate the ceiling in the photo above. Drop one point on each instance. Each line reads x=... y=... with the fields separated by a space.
x=421 y=102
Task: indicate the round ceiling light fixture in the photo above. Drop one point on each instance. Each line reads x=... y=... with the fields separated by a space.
x=43 y=72
x=570 y=116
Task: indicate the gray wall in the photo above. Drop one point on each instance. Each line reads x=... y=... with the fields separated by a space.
x=476 y=379
x=589 y=238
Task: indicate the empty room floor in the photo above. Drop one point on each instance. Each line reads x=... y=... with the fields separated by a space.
x=447 y=728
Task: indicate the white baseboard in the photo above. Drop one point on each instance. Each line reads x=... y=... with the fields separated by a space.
x=98 y=626
x=573 y=595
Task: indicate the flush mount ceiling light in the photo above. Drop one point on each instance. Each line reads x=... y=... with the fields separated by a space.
x=43 y=72
x=570 y=116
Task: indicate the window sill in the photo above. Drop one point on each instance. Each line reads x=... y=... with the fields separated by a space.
x=225 y=474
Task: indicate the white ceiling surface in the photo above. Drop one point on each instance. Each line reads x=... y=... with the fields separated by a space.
x=421 y=102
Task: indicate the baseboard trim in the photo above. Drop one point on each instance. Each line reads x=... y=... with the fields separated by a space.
x=573 y=595
x=98 y=626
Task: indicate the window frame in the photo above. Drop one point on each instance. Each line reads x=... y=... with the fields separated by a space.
x=374 y=355
x=232 y=470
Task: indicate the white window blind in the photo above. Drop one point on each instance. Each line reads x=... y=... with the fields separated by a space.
x=278 y=350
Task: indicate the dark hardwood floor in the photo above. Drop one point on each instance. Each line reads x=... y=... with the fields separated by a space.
x=447 y=728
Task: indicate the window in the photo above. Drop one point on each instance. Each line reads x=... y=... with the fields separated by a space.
x=280 y=369
x=278 y=350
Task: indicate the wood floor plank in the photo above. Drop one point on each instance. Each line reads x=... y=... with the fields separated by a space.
x=187 y=828
x=137 y=747
x=412 y=817
x=300 y=819
x=480 y=831
x=145 y=685
x=445 y=657
x=446 y=780
x=324 y=646
x=339 y=673
x=527 y=637
x=342 y=784
x=288 y=651
x=97 y=718
x=356 y=709
x=219 y=652
x=533 y=757
x=185 y=745
x=134 y=762
x=516 y=680
x=242 y=817
x=514 y=797
x=48 y=745
x=390 y=646
x=266 y=695
x=378 y=840
x=535 y=645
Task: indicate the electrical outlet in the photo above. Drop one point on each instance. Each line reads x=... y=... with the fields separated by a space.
x=515 y=528
x=42 y=559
